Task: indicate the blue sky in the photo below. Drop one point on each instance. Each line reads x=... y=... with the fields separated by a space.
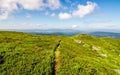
x=60 y=14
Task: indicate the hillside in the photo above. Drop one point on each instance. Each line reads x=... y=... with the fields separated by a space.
x=28 y=54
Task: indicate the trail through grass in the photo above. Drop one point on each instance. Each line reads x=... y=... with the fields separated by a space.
x=57 y=57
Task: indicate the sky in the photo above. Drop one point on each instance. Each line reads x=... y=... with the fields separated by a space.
x=60 y=14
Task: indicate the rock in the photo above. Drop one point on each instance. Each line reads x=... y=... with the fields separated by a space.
x=119 y=55
x=113 y=50
x=117 y=70
x=80 y=42
x=95 y=48
x=104 y=55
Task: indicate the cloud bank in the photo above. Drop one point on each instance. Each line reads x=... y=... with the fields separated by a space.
x=7 y=7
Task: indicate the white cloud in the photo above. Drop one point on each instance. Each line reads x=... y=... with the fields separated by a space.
x=31 y=4
x=9 y=6
x=74 y=26
x=83 y=10
x=64 y=16
x=39 y=4
x=53 y=4
x=4 y=16
x=53 y=14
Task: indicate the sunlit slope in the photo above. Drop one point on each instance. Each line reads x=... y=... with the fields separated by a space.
x=28 y=54
x=25 y=54
x=88 y=55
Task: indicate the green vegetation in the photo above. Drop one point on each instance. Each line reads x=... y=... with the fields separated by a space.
x=89 y=56
x=28 y=54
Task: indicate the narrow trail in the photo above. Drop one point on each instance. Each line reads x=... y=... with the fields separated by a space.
x=56 y=59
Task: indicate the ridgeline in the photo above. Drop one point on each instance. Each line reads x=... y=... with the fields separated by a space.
x=30 y=54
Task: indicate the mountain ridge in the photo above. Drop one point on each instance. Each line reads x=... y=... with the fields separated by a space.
x=24 y=53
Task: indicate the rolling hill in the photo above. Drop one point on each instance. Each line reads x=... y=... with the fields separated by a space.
x=81 y=54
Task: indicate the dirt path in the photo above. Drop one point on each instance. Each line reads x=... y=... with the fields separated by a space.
x=57 y=61
x=117 y=70
x=57 y=58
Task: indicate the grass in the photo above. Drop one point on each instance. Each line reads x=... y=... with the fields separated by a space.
x=28 y=54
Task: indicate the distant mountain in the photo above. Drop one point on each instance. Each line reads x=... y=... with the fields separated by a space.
x=69 y=32
x=105 y=34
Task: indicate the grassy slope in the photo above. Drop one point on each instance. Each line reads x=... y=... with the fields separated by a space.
x=77 y=58
x=26 y=54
